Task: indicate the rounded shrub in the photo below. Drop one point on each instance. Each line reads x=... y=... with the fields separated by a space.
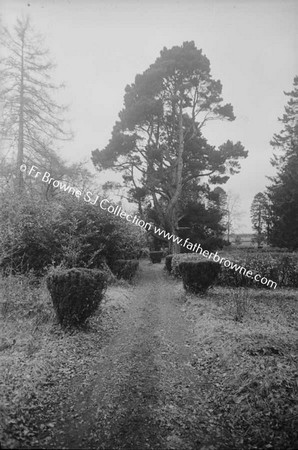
x=168 y=263
x=198 y=276
x=125 y=268
x=156 y=257
x=103 y=266
x=181 y=257
x=76 y=293
x=28 y=242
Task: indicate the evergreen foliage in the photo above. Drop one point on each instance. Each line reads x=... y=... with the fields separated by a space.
x=202 y=223
x=283 y=193
x=76 y=294
x=158 y=144
x=28 y=237
x=35 y=235
x=168 y=263
x=156 y=257
x=181 y=257
x=260 y=217
x=198 y=276
x=280 y=267
x=125 y=269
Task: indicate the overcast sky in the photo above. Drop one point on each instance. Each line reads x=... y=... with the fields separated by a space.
x=99 y=46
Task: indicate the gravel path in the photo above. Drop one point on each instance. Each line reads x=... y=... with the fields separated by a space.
x=142 y=390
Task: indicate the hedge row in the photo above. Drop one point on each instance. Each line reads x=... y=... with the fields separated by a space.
x=156 y=257
x=265 y=250
x=280 y=267
x=125 y=268
x=76 y=293
x=183 y=257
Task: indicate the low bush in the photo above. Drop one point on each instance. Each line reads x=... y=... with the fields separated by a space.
x=103 y=266
x=266 y=250
x=28 y=241
x=282 y=268
x=125 y=268
x=213 y=243
x=76 y=293
x=288 y=274
x=156 y=257
x=35 y=235
x=168 y=263
x=198 y=276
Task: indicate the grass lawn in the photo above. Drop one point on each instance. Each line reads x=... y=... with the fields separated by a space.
x=247 y=347
x=249 y=342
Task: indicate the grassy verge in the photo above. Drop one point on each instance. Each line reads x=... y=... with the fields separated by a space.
x=247 y=352
x=248 y=348
x=36 y=355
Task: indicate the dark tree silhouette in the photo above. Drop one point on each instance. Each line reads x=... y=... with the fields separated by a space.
x=283 y=193
x=158 y=142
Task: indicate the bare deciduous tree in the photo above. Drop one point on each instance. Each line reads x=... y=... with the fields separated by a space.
x=230 y=207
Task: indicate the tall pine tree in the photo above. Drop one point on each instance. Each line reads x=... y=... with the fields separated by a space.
x=283 y=193
x=260 y=217
x=158 y=143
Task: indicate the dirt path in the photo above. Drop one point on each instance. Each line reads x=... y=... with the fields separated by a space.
x=157 y=369
x=142 y=391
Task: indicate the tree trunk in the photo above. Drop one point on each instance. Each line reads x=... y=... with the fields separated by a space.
x=172 y=212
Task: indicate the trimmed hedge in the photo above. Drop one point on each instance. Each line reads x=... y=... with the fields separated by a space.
x=156 y=257
x=281 y=268
x=125 y=268
x=168 y=263
x=265 y=250
x=103 y=266
x=76 y=293
x=198 y=276
x=181 y=257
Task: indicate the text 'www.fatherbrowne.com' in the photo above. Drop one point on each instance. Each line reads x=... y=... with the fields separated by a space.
x=117 y=210
x=215 y=257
